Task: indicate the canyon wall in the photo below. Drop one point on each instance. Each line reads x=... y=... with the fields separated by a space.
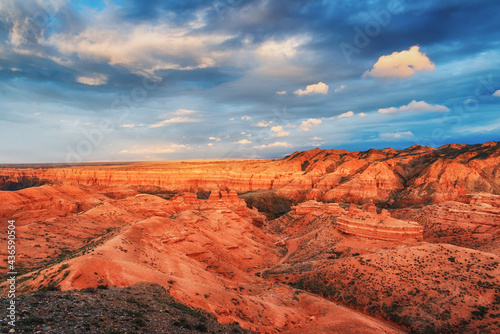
x=391 y=178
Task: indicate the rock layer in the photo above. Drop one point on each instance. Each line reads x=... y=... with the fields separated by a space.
x=416 y=175
x=365 y=222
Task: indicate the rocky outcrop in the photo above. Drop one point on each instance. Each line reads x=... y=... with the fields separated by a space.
x=379 y=226
x=59 y=198
x=391 y=178
x=480 y=198
x=224 y=202
x=316 y=208
x=363 y=222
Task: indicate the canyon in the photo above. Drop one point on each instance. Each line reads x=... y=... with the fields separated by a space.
x=323 y=241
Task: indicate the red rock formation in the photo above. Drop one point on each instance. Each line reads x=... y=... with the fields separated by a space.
x=93 y=226
x=379 y=227
x=365 y=223
x=370 y=207
x=205 y=252
x=416 y=175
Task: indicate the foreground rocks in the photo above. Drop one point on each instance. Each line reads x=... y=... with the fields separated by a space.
x=141 y=308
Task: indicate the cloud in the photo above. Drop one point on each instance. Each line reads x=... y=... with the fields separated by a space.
x=175 y=120
x=246 y=118
x=319 y=88
x=278 y=131
x=140 y=47
x=497 y=93
x=339 y=89
x=306 y=125
x=281 y=92
x=346 y=114
x=396 y=135
x=210 y=144
x=246 y=134
x=244 y=141
x=281 y=50
x=127 y=125
x=263 y=124
x=414 y=106
x=214 y=138
x=276 y=144
x=402 y=64
x=316 y=138
x=227 y=66
x=96 y=80
x=183 y=112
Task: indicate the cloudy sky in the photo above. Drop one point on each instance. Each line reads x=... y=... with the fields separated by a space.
x=90 y=80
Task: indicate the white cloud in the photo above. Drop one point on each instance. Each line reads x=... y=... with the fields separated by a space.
x=210 y=144
x=183 y=112
x=396 y=135
x=278 y=131
x=263 y=124
x=339 y=89
x=243 y=141
x=143 y=48
x=127 y=125
x=175 y=120
x=246 y=118
x=414 y=106
x=346 y=114
x=246 y=134
x=402 y=64
x=306 y=125
x=214 y=138
x=281 y=92
x=362 y=114
x=319 y=88
x=281 y=50
x=497 y=93
x=316 y=138
x=96 y=80
x=276 y=144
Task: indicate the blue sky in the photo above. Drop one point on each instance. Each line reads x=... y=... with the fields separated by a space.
x=170 y=80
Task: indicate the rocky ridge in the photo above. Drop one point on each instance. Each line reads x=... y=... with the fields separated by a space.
x=391 y=178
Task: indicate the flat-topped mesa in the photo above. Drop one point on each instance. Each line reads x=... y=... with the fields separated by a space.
x=308 y=207
x=317 y=208
x=363 y=222
x=379 y=226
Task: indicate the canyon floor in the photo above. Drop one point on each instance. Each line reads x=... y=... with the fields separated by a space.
x=322 y=241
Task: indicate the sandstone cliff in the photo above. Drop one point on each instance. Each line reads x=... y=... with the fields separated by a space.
x=391 y=178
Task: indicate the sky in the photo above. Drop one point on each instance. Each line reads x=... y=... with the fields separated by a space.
x=122 y=80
